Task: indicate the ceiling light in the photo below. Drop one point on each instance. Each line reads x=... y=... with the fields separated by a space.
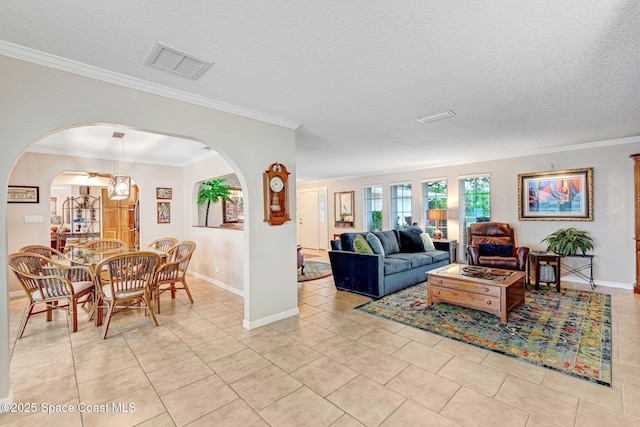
x=119 y=186
x=436 y=116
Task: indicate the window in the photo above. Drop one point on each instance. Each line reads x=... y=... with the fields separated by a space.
x=475 y=203
x=401 y=206
x=373 y=208
x=435 y=198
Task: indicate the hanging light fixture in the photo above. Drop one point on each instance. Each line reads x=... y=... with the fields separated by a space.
x=119 y=186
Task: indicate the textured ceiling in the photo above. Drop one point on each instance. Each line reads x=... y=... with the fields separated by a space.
x=520 y=75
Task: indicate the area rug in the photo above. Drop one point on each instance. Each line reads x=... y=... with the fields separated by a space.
x=314 y=270
x=567 y=331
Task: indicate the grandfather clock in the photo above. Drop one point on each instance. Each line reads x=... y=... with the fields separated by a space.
x=636 y=161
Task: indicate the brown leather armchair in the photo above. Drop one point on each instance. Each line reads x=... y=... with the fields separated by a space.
x=487 y=246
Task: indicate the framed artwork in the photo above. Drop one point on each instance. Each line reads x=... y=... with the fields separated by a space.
x=23 y=194
x=163 y=193
x=83 y=190
x=233 y=212
x=556 y=195
x=53 y=208
x=164 y=213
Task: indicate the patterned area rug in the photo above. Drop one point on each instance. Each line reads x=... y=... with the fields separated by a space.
x=567 y=331
x=314 y=270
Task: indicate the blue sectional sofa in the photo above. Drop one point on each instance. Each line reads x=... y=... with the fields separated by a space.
x=401 y=262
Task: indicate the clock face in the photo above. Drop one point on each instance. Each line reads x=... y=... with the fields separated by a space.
x=276 y=184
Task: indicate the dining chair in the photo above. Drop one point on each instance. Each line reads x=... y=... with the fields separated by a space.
x=124 y=280
x=174 y=271
x=100 y=244
x=46 y=282
x=43 y=250
x=164 y=243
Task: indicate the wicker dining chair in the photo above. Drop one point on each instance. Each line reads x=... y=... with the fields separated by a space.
x=163 y=244
x=174 y=271
x=46 y=282
x=100 y=244
x=125 y=280
x=43 y=250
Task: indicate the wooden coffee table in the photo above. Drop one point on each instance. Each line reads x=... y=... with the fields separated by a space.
x=491 y=290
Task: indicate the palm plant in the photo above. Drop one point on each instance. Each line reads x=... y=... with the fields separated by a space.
x=212 y=191
x=567 y=241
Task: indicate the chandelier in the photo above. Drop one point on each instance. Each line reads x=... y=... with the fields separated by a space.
x=119 y=186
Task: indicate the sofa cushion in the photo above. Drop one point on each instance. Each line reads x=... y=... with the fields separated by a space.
x=346 y=241
x=490 y=249
x=417 y=259
x=427 y=242
x=389 y=241
x=375 y=244
x=361 y=246
x=439 y=255
x=395 y=265
x=410 y=242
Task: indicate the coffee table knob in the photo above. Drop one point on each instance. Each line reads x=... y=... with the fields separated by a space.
x=488 y=302
x=486 y=289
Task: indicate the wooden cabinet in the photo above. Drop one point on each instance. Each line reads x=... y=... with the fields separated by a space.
x=636 y=161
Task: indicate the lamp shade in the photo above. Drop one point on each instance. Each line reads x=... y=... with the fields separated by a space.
x=119 y=187
x=437 y=214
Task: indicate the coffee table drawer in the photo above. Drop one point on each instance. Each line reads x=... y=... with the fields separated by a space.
x=476 y=288
x=465 y=299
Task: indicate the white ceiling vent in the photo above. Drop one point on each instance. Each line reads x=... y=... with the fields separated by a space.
x=171 y=59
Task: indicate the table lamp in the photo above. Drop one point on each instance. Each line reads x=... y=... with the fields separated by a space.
x=437 y=215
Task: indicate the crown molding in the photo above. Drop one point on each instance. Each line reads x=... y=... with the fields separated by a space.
x=75 y=67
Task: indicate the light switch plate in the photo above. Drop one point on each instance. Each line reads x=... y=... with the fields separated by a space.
x=33 y=218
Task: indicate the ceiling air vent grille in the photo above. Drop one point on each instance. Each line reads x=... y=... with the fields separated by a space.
x=170 y=59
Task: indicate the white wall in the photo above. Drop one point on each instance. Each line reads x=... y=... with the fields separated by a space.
x=612 y=228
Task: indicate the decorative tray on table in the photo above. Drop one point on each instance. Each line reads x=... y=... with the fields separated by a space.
x=484 y=273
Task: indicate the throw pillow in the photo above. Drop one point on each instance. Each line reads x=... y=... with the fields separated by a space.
x=375 y=244
x=389 y=241
x=427 y=242
x=489 y=249
x=361 y=246
x=410 y=242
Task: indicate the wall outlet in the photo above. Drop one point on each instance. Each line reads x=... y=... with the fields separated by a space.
x=217 y=269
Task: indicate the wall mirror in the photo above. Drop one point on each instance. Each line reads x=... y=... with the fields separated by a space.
x=343 y=207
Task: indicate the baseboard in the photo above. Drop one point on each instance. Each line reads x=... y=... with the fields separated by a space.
x=270 y=319
x=603 y=283
x=218 y=283
x=16 y=294
x=5 y=400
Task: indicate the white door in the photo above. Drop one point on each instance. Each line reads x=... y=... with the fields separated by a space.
x=308 y=219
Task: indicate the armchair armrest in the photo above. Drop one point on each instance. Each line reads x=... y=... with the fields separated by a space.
x=522 y=253
x=356 y=272
x=473 y=255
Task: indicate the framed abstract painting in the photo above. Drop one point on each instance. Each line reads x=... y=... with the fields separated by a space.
x=565 y=195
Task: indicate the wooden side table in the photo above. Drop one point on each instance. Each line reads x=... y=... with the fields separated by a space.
x=450 y=246
x=534 y=262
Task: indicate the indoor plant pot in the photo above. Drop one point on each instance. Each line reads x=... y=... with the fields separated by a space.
x=567 y=241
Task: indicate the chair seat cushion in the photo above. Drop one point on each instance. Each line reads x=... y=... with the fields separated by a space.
x=79 y=287
x=106 y=291
x=490 y=249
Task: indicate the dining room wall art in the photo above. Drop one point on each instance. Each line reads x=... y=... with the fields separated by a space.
x=164 y=212
x=23 y=194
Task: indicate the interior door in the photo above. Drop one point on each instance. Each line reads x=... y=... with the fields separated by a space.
x=118 y=218
x=308 y=219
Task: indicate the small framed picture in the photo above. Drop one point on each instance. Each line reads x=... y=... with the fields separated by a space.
x=164 y=213
x=23 y=194
x=163 y=193
x=83 y=190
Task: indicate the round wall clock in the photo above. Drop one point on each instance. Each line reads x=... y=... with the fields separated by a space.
x=276 y=194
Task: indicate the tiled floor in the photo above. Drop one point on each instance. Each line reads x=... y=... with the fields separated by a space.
x=330 y=366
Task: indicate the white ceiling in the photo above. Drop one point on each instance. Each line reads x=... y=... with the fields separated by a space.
x=521 y=76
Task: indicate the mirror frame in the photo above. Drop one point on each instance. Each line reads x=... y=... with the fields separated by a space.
x=344 y=208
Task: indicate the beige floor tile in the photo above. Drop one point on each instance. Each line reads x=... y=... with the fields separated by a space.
x=469 y=407
x=475 y=376
x=557 y=406
x=302 y=407
x=264 y=387
x=340 y=348
x=192 y=401
x=292 y=356
x=539 y=422
x=420 y=336
x=324 y=319
x=412 y=414
x=139 y=405
x=218 y=348
x=463 y=350
x=592 y=415
x=165 y=356
x=51 y=417
x=631 y=398
x=316 y=300
x=267 y=341
x=240 y=333
x=610 y=397
x=173 y=377
x=518 y=368
x=347 y=421
x=350 y=329
x=290 y=324
x=367 y=401
x=238 y=365
x=307 y=310
x=227 y=320
x=383 y=341
x=629 y=355
x=311 y=335
x=112 y=385
x=377 y=365
x=427 y=389
x=234 y=414
x=324 y=375
x=27 y=370
x=423 y=356
x=197 y=336
x=162 y=420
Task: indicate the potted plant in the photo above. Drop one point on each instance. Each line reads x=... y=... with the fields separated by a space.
x=376 y=220
x=211 y=191
x=567 y=241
